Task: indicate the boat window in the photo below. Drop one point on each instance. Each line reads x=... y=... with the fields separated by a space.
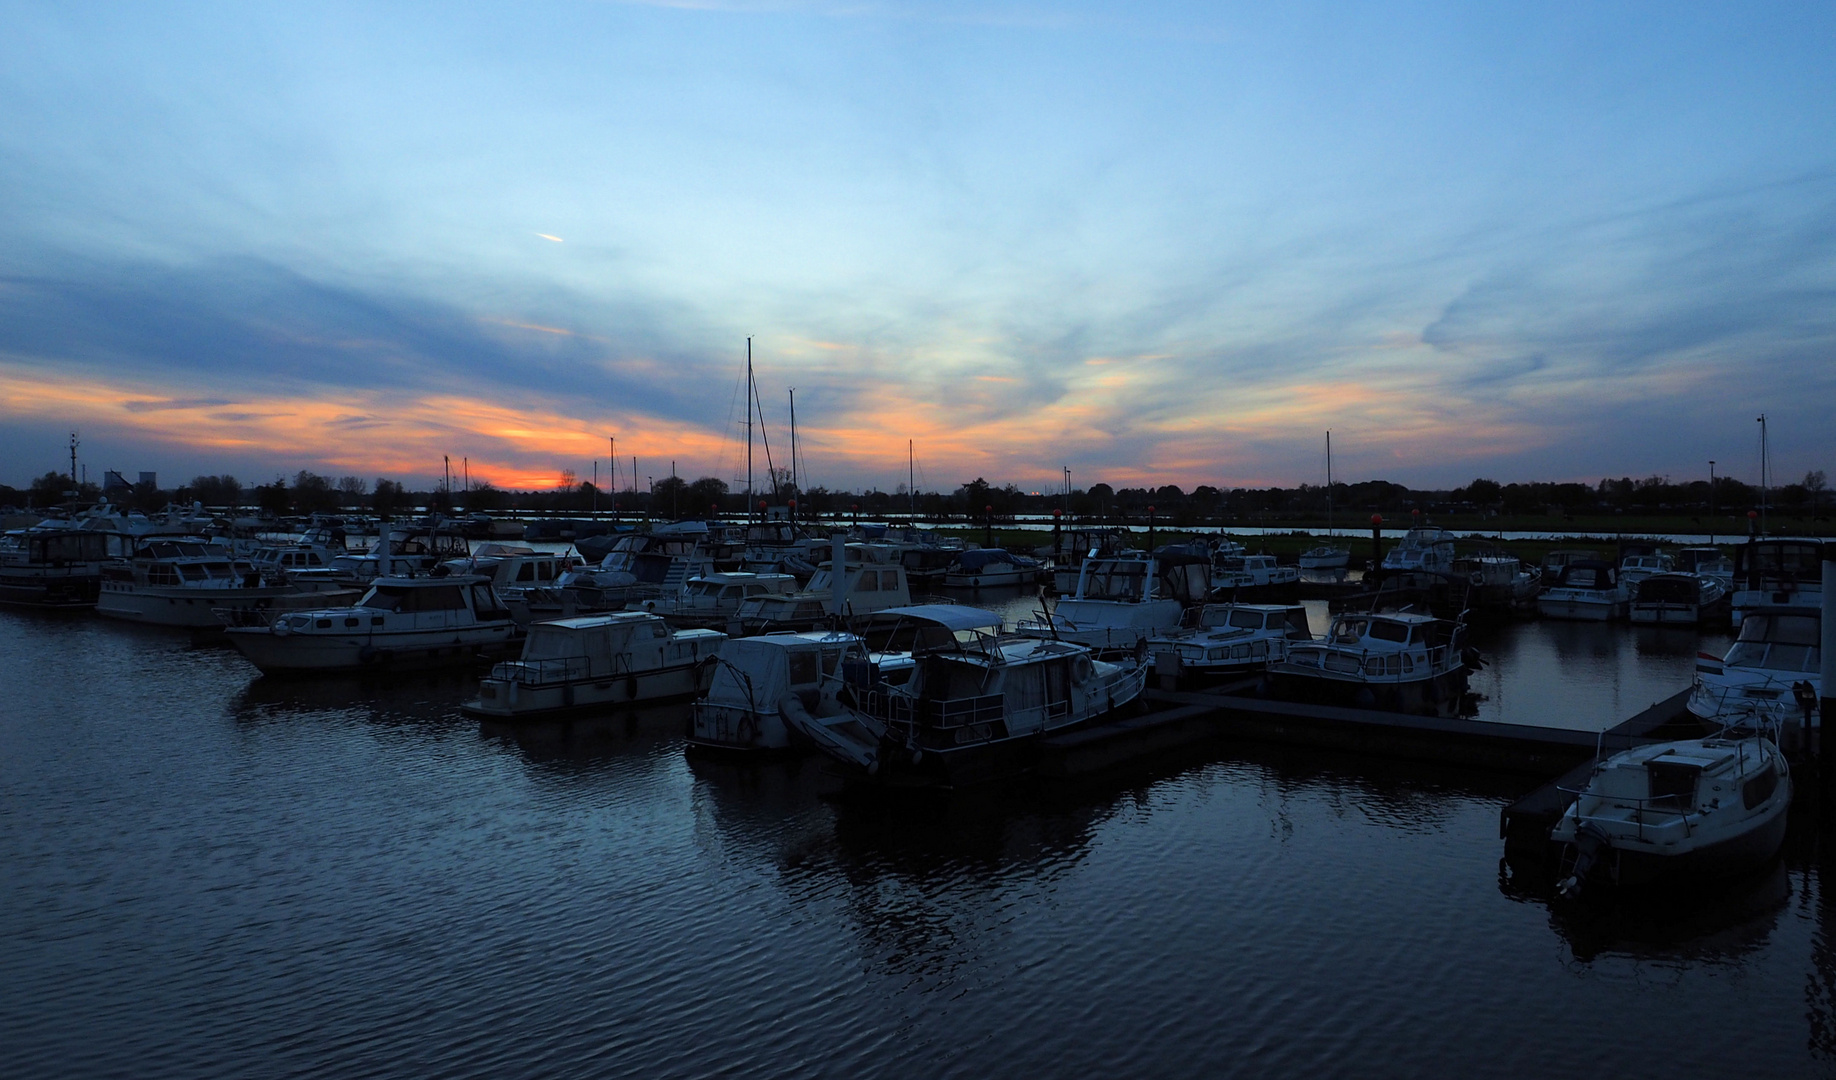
x=485 y=602
x=1787 y=657
x=1338 y=661
x=1673 y=784
x=1350 y=631
x=803 y=667
x=434 y=598
x=1760 y=788
x=1383 y=630
x=1246 y=620
x=526 y=572
x=1792 y=629
x=382 y=598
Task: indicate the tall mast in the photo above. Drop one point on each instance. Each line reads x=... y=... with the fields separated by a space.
x=612 y=463
x=911 y=476
x=749 y=429
x=793 y=441
x=1764 y=472
x=1329 y=483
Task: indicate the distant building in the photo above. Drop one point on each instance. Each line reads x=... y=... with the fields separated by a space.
x=113 y=481
x=150 y=480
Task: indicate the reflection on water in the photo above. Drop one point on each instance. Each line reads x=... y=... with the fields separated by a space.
x=231 y=874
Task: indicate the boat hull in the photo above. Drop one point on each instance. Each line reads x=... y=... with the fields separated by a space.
x=1580 y=610
x=197 y=609
x=510 y=699
x=277 y=654
x=1438 y=695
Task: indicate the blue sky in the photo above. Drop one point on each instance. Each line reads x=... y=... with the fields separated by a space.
x=1151 y=242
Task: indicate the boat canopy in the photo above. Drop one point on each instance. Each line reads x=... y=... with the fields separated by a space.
x=1588 y=574
x=980 y=558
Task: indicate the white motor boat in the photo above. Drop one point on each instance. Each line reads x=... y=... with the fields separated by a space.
x=990 y=568
x=1696 y=808
x=521 y=575
x=184 y=581
x=1773 y=671
x=1586 y=589
x=400 y=622
x=1122 y=601
x=1636 y=568
x=1777 y=573
x=1677 y=599
x=1709 y=562
x=1230 y=640
x=1249 y=577
x=757 y=682
x=974 y=708
x=714 y=600
x=1325 y=557
x=866 y=586
x=1395 y=661
x=1426 y=548
x=595 y=661
x=52 y=568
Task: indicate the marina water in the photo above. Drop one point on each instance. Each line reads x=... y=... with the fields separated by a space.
x=213 y=873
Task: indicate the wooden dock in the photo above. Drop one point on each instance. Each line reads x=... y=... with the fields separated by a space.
x=1180 y=718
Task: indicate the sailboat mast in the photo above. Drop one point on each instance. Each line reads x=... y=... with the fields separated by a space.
x=749 y=429
x=1764 y=471
x=793 y=441
x=911 y=476
x=1329 y=483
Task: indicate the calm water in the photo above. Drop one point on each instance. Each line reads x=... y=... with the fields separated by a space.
x=211 y=873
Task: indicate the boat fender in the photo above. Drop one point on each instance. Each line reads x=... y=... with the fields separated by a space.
x=917 y=757
x=281 y=629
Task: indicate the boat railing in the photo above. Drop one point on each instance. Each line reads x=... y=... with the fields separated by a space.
x=1639 y=805
x=561 y=669
x=903 y=709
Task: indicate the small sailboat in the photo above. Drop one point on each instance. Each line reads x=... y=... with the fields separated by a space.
x=1327 y=556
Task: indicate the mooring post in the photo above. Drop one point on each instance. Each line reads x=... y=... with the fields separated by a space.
x=1826 y=748
x=1376 y=541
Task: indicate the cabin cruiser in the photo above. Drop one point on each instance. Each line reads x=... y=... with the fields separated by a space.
x=185 y=581
x=1123 y=600
x=1586 y=590
x=1637 y=567
x=1070 y=547
x=641 y=566
x=1556 y=559
x=931 y=557
x=1325 y=557
x=1394 y=661
x=1777 y=573
x=990 y=568
x=865 y=586
x=397 y=552
x=1498 y=582
x=1695 y=808
x=595 y=661
x=523 y=577
x=1229 y=640
x=715 y=599
x=781 y=546
x=1251 y=576
x=1709 y=562
x=399 y=622
x=975 y=707
x=757 y=682
x=53 y=568
x=1677 y=599
x=1425 y=548
x=1773 y=669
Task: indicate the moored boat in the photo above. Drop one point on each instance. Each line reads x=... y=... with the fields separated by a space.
x=1230 y=640
x=1393 y=661
x=974 y=708
x=1586 y=589
x=1772 y=671
x=1677 y=599
x=1123 y=600
x=52 y=568
x=400 y=622
x=1690 y=809
x=990 y=568
x=595 y=661
x=184 y=581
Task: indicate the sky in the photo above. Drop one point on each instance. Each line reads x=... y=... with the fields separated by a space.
x=1150 y=243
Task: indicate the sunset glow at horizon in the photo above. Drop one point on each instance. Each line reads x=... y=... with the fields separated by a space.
x=1154 y=244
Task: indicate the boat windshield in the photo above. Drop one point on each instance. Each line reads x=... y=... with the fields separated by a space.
x=1107 y=580
x=1789 y=629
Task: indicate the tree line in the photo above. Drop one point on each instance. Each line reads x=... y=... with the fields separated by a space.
x=675 y=497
